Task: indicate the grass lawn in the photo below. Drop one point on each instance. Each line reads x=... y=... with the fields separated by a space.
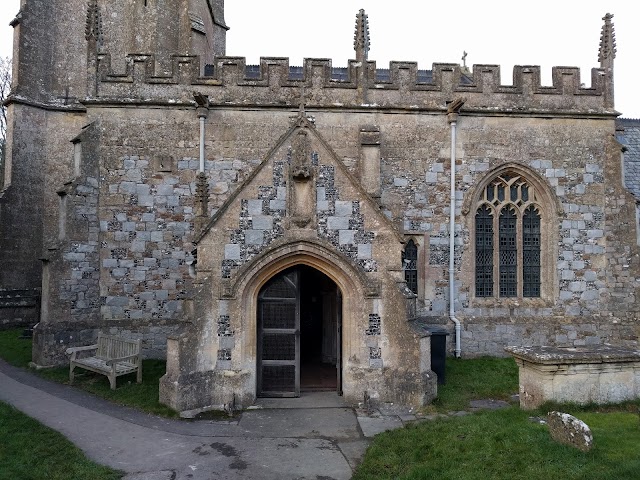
x=144 y=396
x=479 y=378
x=14 y=350
x=503 y=444
x=31 y=451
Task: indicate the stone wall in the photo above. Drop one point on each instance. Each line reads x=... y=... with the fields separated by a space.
x=146 y=218
x=19 y=308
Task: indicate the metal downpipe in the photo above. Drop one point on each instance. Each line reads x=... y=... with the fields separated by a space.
x=452 y=117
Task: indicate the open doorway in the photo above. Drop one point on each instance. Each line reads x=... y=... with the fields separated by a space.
x=319 y=331
x=299 y=333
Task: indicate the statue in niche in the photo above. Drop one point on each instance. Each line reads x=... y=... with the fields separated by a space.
x=302 y=188
x=301 y=164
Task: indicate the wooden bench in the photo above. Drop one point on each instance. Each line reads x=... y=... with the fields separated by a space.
x=114 y=357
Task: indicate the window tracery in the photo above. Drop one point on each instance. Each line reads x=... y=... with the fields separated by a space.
x=508 y=239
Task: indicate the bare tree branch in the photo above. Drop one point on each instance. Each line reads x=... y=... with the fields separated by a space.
x=5 y=87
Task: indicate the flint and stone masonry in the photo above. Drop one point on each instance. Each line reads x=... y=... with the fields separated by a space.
x=311 y=181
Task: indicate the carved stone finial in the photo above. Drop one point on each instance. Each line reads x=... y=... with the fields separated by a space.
x=93 y=29
x=607 y=43
x=362 y=41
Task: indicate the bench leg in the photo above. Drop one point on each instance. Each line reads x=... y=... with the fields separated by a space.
x=71 y=367
x=112 y=382
x=139 y=378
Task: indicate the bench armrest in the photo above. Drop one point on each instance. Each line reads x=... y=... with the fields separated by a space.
x=81 y=349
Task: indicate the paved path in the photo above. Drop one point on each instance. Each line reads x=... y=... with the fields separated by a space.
x=314 y=437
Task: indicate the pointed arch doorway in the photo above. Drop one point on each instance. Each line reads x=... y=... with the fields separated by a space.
x=299 y=333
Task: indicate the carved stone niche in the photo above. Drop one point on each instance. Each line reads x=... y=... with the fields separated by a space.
x=370 y=159
x=302 y=192
x=163 y=163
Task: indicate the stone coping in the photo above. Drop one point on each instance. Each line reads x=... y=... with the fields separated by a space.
x=574 y=355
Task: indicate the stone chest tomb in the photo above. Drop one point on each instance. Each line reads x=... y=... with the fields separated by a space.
x=582 y=375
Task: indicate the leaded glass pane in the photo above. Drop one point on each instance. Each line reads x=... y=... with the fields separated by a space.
x=484 y=252
x=514 y=193
x=508 y=253
x=410 y=265
x=531 y=253
x=490 y=192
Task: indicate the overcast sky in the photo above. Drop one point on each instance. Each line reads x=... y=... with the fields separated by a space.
x=503 y=32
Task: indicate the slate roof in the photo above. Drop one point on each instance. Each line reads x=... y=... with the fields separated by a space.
x=628 y=134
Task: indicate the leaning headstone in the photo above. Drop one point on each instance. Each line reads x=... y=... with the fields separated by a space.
x=569 y=430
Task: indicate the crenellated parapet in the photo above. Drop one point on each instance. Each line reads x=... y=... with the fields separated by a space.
x=274 y=82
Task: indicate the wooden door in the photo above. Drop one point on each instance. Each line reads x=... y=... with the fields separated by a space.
x=279 y=336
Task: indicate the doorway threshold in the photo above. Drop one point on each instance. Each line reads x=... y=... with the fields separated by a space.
x=306 y=400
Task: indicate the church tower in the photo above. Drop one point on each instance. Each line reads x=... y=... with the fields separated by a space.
x=160 y=28
x=56 y=44
x=52 y=38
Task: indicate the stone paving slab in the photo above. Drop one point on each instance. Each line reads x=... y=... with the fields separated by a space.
x=354 y=450
x=371 y=426
x=335 y=423
x=306 y=400
x=488 y=404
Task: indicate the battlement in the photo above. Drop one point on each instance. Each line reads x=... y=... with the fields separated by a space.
x=274 y=82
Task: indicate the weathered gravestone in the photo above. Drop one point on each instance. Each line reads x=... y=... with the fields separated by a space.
x=569 y=430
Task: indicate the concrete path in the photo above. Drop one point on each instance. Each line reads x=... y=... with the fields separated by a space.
x=314 y=437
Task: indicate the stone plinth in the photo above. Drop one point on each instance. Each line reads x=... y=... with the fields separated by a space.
x=602 y=374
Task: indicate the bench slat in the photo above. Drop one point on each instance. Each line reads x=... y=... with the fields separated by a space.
x=121 y=367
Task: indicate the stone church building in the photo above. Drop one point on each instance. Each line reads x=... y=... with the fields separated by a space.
x=270 y=228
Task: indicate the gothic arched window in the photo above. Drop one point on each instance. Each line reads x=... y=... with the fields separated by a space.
x=508 y=239
x=410 y=265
